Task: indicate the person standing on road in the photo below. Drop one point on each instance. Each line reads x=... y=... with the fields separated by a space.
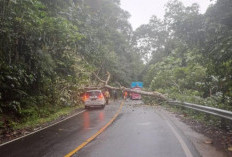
x=107 y=96
x=115 y=94
x=125 y=95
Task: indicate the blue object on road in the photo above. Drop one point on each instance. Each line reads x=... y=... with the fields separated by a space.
x=137 y=84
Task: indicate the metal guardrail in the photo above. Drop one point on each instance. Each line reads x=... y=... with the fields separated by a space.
x=210 y=110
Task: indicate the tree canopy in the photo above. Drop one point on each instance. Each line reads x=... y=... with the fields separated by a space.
x=190 y=53
x=49 y=50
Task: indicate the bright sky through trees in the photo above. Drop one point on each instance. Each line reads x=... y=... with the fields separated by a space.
x=142 y=10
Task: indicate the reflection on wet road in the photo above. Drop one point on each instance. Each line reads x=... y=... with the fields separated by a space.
x=137 y=131
x=86 y=120
x=101 y=116
x=60 y=139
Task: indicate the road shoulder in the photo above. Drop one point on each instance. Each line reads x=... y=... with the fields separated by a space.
x=197 y=139
x=21 y=133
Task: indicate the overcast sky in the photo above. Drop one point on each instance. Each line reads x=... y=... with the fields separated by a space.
x=142 y=10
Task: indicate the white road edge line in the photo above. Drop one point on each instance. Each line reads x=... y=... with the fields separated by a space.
x=182 y=143
x=41 y=129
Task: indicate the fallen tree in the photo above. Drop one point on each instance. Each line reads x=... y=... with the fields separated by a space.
x=104 y=85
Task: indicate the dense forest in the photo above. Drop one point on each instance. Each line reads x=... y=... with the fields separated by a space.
x=189 y=55
x=49 y=50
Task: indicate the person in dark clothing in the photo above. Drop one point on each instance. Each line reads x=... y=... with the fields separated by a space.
x=115 y=94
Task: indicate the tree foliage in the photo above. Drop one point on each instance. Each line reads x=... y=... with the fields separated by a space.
x=49 y=49
x=190 y=53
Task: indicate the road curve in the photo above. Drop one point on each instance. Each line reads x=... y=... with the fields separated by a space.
x=140 y=131
x=61 y=138
x=137 y=131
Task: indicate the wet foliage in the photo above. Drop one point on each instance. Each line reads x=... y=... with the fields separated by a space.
x=49 y=49
x=189 y=54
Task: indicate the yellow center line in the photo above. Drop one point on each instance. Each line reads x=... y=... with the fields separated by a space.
x=96 y=134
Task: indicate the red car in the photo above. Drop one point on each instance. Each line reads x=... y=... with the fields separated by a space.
x=136 y=96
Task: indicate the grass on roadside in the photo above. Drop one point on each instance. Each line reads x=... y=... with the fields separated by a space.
x=204 y=118
x=35 y=122
x=207 y=119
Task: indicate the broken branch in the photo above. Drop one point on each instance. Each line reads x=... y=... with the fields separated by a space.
x=154 y=94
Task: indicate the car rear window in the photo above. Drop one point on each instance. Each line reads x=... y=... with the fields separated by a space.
x=93 y=93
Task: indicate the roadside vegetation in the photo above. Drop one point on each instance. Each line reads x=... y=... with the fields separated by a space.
x=49 y=50
x=35 y=122
x=190 y=55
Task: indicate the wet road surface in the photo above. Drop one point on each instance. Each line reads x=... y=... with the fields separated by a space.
x=60 y=139
x=138 y=131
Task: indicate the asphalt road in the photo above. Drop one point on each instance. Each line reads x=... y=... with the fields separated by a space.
x=137 y=131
